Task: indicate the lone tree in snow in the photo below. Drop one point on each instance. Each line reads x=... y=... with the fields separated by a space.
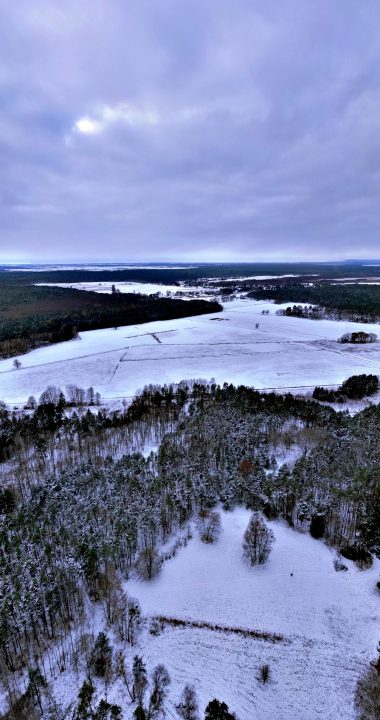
x=187 y=707
x=16 y=363
x=257 y=541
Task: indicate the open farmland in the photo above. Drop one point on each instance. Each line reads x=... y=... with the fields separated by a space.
x=282 y=352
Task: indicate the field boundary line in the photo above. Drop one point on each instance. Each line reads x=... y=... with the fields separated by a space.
x=215 y=627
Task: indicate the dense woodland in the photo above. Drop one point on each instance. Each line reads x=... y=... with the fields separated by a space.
x=32 y=316
x=81 y=507
x=356 y=302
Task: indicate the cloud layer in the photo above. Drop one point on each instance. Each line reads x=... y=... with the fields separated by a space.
x=189 y=129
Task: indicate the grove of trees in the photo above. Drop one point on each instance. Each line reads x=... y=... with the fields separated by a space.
x=355 y=387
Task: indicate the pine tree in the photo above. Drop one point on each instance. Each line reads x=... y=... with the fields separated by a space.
x=86 y=694
x=217 y=710
x=101 y=656
x=140 y=713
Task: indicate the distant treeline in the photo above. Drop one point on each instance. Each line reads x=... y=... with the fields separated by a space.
x=359 y=301
x=33 y=316
x=190 y=273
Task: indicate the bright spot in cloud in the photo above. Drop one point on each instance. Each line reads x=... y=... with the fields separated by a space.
x=123 y=113
x=88 y=126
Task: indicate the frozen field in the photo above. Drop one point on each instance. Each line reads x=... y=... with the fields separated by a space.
x=281 y=353
x=329 y=618
x=128 y=287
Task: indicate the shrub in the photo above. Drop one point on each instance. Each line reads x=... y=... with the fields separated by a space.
x=264 y=674
x=358 y=553
x=209 y=527
x=156 y=627
x=339 y=566
x=360 y=337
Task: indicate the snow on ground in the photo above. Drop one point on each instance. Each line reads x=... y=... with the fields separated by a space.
x=259 y=277
x=129 y=287
x=330 y=618
x=288 y=457
x=283 y=352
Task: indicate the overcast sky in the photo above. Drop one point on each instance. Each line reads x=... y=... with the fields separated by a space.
x=189 y=129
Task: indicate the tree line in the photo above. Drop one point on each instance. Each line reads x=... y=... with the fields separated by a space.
x=354 y=302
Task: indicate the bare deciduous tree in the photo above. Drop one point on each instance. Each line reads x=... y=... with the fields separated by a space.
x=160 y=682
x=187 y=707
x=257 y=542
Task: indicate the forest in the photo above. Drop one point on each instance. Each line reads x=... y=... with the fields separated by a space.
x=354 y=302
x=32 y=316
x=82 y=507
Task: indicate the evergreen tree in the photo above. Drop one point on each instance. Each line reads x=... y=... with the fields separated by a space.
x=101 y=656
x=139 y=713
x=86 y=694
x=217 y=710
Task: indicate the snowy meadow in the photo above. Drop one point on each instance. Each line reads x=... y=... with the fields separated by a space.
x=240 y=345
x=329 y=621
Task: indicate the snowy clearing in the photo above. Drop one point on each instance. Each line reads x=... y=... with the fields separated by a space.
x=329 y=621
x=330 y=618
x=281 y=353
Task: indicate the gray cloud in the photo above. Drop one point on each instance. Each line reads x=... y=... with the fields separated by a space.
x=200 y=129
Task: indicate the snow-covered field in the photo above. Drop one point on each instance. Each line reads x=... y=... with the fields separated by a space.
x=281 y=352
x=331 y=620
x=129 y=287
